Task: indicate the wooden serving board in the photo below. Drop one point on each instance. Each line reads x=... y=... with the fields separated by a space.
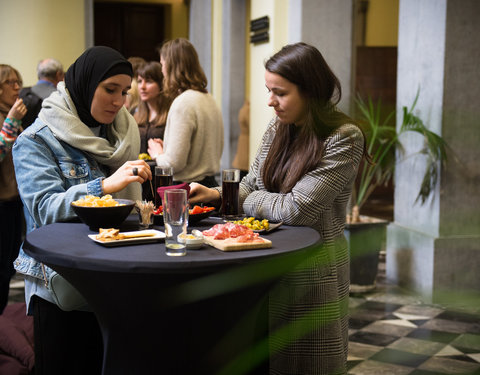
x=230 y=245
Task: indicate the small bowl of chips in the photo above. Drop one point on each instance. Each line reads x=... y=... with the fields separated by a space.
x=102 y=212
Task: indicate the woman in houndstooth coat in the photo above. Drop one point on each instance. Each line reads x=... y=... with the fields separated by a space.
x=303 y=174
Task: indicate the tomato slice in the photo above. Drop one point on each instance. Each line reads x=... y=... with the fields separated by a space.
x=197 y=210
x=158 y=211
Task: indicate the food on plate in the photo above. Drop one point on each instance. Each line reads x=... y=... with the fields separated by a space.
x=252 y=223
x=200 y=210
x=187 y=236
x=144 y=156
x=192 y=241
x=93 y=201
x=234 y=237
x=112 y=234
x=232 y=232
x=194 y=211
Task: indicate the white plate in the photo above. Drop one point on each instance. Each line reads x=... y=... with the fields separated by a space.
x=157 y=236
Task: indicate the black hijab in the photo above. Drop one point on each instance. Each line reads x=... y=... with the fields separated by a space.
x=93 y=66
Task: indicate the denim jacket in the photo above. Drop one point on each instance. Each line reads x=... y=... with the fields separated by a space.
x=50 y=175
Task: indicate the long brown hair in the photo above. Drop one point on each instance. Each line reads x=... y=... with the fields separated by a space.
x=183 y=69
x=153 y=71
x=297 y=150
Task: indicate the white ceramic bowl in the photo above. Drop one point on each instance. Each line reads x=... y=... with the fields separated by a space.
x=192 y=241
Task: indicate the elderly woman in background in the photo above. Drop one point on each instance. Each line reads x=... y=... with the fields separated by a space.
x=12 y=111
x=193 y=141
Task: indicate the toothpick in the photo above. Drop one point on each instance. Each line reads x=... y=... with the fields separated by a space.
x=151 y=187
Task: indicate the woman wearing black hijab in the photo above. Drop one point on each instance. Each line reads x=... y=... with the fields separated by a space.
x=84 y=143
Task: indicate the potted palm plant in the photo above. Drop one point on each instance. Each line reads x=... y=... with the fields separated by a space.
x=366 y=235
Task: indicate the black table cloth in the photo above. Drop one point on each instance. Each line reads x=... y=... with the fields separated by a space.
x=203 y=313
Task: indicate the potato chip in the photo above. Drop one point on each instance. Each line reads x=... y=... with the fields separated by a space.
x=93 y=201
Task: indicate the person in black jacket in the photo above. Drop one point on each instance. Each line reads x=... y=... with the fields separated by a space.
x=49 y=72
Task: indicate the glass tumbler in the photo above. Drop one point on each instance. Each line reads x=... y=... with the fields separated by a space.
x=163 y=177
x=230 y=188
x=175 y=218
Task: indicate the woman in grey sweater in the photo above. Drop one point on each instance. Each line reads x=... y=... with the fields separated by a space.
x=303 y=175
x=193 y=141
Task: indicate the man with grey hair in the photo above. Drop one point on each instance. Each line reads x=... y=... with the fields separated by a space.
x=49 y=72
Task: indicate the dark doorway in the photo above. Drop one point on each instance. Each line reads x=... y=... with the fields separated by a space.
x=376 y=77
x=131 y=28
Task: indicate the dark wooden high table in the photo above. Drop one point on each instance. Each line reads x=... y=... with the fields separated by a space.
x=203 y=313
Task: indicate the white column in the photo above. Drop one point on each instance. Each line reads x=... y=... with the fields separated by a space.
x=434 y=248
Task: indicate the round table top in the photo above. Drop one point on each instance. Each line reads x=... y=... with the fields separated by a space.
x=68 y=245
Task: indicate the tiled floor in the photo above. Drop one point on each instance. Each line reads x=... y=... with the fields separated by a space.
x=393 y=333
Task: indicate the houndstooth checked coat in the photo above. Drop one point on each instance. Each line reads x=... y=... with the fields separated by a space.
x=310 y=304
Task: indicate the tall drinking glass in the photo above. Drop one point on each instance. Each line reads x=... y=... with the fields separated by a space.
x=175 y=218
x=163 y=177
x=230 y=186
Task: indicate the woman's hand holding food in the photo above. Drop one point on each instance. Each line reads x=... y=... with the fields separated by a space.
x=131 y=171
x=203 y=194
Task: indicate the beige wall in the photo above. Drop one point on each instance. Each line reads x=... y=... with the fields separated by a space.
x=260 y=113
x=382 y=23
x=33 y=30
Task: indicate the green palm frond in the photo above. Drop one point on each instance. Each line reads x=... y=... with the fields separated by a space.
x=382 y=139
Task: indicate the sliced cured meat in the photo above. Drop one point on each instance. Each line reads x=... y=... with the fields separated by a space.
x=229 y=230
x=236 y=230
x=218 y=232
x=212 y=231
x=234 y=237
x=248 y=237
x=221 y=234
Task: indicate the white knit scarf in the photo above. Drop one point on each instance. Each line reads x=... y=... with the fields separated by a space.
x=122 y=143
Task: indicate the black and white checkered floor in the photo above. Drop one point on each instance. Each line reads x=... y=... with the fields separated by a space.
x=388 y=338
x=393 y=333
